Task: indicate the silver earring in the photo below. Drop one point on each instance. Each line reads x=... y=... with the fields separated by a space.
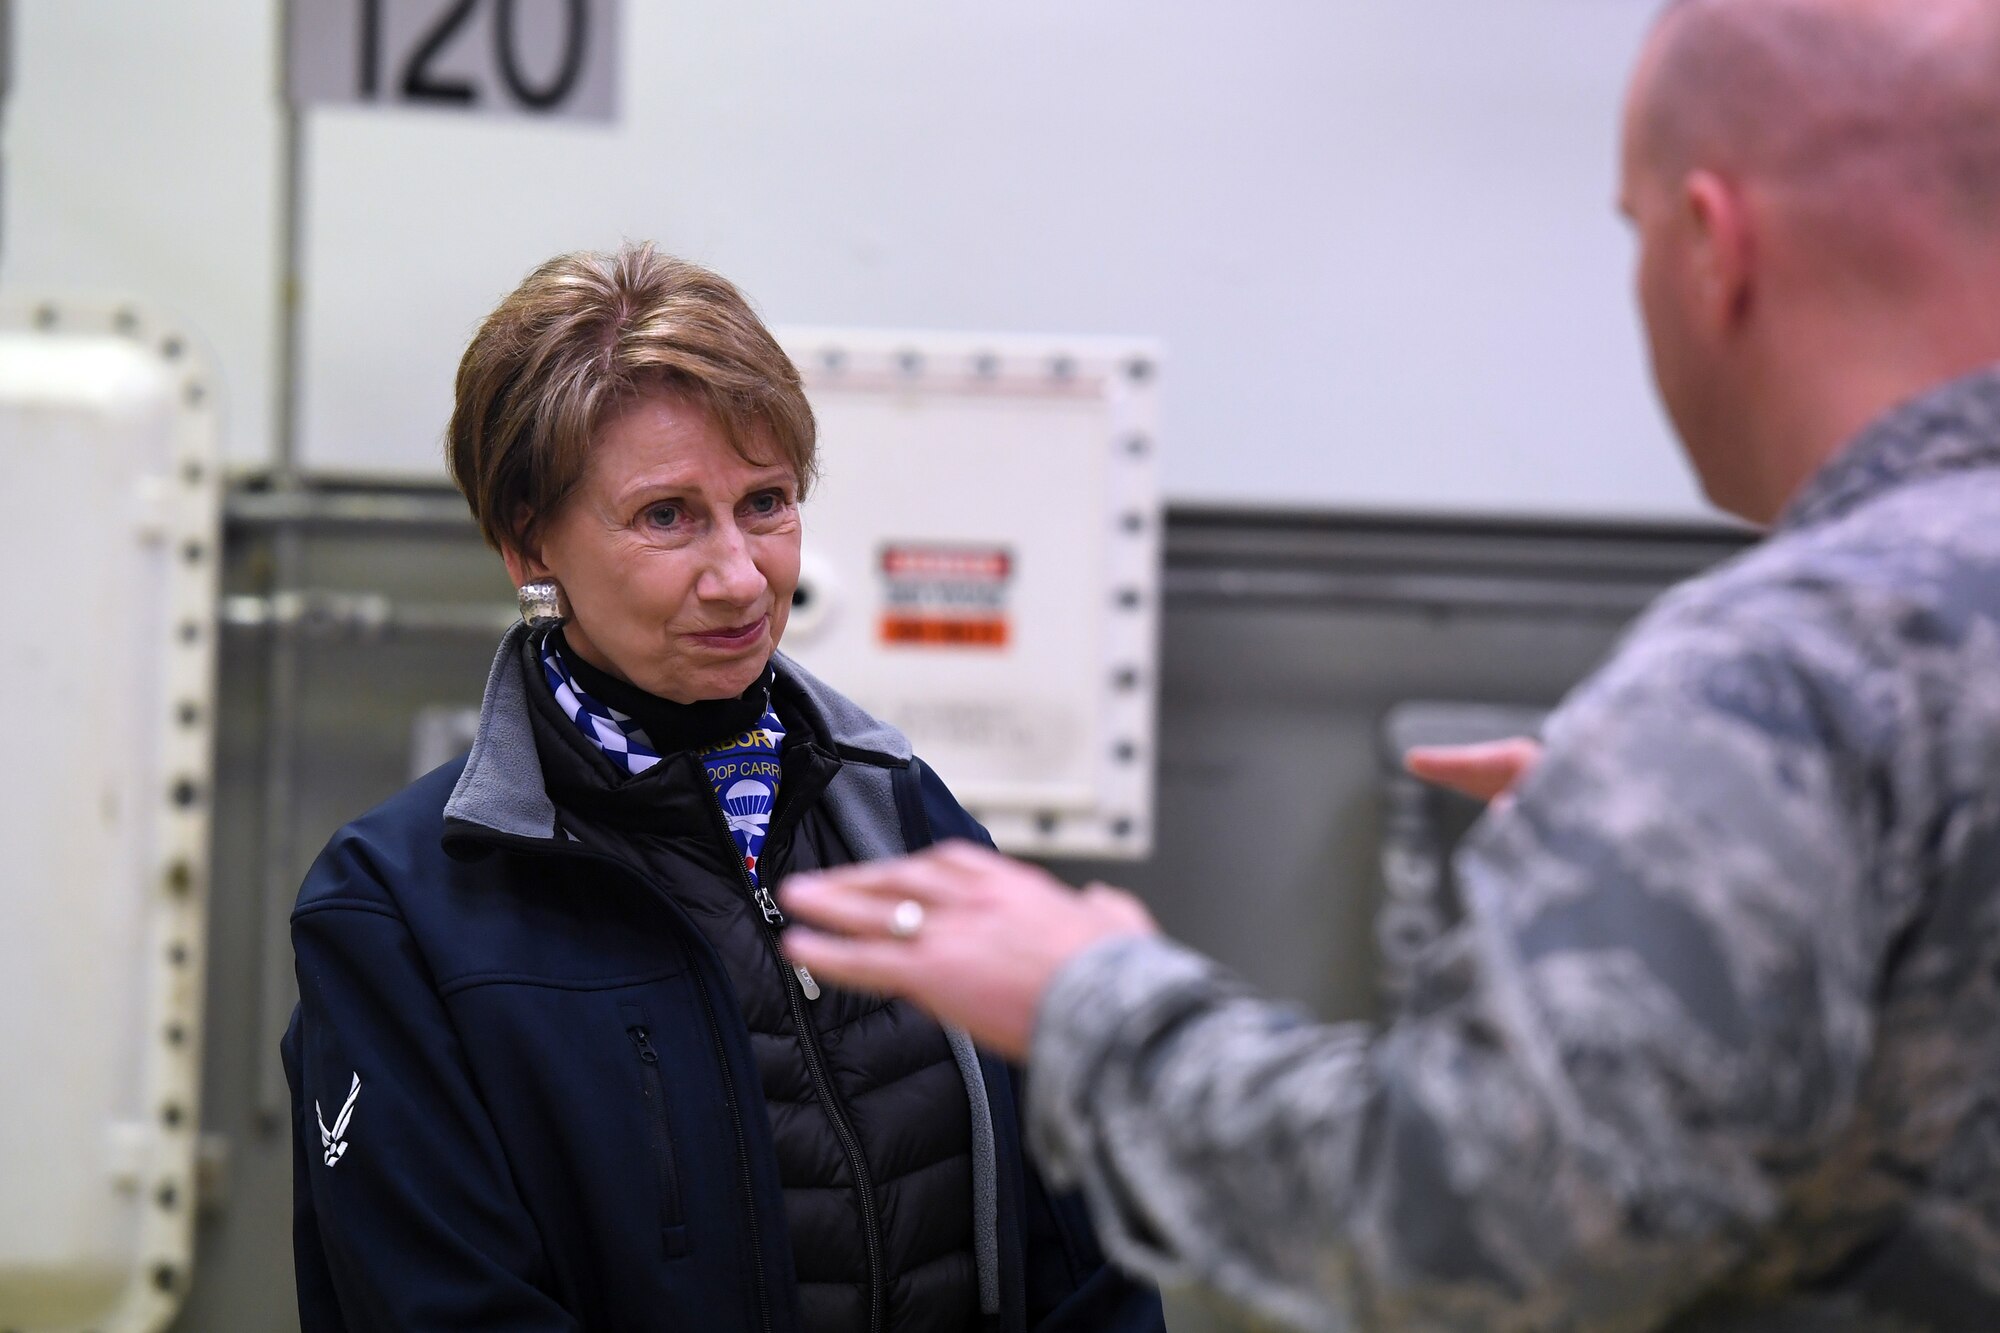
x=543 y=604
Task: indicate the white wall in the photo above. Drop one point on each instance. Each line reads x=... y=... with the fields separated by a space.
x=1376 y=235
x=141 y=158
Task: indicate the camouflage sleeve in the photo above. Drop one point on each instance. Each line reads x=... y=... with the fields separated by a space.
x=1649 y=1026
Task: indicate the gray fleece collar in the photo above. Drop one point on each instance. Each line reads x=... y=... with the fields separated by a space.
x=502 y=787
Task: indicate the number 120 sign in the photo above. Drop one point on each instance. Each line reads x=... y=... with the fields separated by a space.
x=501 y=57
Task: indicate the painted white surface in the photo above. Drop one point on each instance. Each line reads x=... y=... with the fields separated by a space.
x=107 y=441
x=1375 y=236
x=141 y=151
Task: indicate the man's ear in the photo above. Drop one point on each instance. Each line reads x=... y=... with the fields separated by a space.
x=1722 y=250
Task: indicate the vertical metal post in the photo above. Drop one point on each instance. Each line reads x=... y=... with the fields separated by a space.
x=6 y=86
x=278 y=878
x=291 y=275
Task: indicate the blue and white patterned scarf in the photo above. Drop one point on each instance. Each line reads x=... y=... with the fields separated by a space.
x=743 y=770
x=622 y=739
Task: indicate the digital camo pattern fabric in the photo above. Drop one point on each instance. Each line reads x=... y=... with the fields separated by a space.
x=1717 y=1046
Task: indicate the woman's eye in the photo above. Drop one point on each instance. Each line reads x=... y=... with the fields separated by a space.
x=663 y=516
x=770 y=502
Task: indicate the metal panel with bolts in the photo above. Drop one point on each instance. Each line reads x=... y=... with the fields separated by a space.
x=109 y=520
x=981 y=568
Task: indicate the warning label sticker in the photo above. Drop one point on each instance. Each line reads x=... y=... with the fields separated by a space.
x=942 y=596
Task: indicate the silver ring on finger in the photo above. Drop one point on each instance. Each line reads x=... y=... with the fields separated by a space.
x=907 y=919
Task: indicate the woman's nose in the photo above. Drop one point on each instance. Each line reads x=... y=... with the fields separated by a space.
x=731 y=574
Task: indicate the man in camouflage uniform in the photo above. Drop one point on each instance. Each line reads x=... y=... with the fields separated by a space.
x=1718 y=1043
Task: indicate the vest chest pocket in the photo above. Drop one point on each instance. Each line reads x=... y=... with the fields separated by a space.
x=659 y=1136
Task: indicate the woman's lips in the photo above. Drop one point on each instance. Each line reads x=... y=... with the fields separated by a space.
x=733 y=640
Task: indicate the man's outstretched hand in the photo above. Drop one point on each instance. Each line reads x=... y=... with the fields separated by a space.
x=1482 y=772
x=994 y=933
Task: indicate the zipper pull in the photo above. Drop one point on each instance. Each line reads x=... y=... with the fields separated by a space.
x=769 y=906
x=645 y=1045
x=775 y=917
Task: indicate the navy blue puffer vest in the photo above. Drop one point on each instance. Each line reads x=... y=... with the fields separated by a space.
x=867 y=1108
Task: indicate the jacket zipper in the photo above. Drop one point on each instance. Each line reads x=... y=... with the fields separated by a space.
x=673 y=1233
x=761 y=1284
x=772 y=919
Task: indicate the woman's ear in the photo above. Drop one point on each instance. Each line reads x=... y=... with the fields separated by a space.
x=524 y=566
x=522 y=551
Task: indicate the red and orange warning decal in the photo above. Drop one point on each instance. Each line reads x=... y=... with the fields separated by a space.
x=946 y=596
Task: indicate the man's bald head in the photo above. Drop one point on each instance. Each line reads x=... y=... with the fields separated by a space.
x=1815 y=185
x=1847 y=105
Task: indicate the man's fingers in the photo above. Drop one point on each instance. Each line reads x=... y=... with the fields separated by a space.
x=1119 y=907
x=839 y=906
x=1481 y=771
x=922 y=877
x=966 y=856
x=880 y=966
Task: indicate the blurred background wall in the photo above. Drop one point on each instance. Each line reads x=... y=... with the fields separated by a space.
x=1376 y=235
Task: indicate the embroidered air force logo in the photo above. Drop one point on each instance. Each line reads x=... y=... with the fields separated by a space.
x=335 y=1140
